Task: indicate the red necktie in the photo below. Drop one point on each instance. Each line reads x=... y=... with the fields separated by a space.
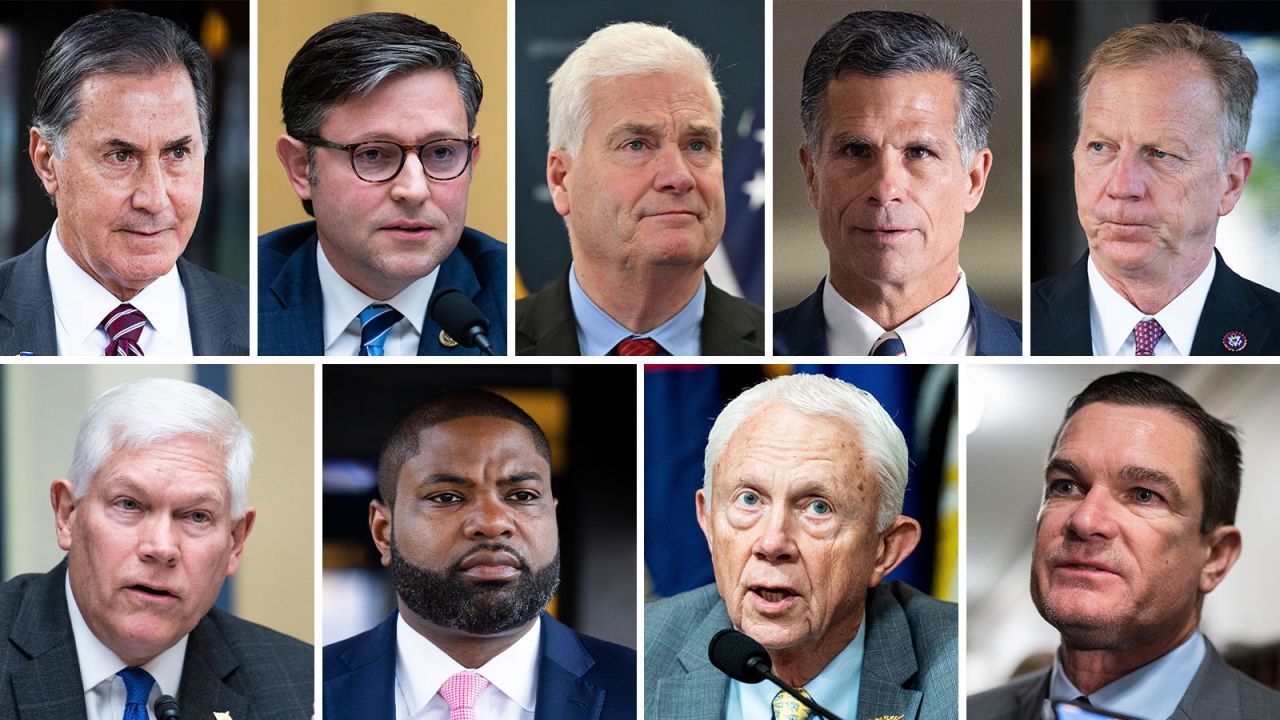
x=638 y=346
x=1145 y=336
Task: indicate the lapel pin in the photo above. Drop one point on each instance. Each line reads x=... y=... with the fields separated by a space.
x=221 y=715
x=447 y=341
x=1234 y=341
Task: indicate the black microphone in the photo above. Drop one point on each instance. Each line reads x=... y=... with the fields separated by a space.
x=460 y=318
x=166 y=708
x=745 y=660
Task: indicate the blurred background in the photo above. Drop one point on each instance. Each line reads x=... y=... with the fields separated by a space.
x=1063 y=34
x=681 y=403
x=220 y=241
x=731 y=32
x=1010 y=414
x=40 y=408
x=588 y=415
x=991 y=250
x=478 y=25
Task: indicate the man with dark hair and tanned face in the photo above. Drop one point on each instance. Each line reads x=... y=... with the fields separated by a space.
x=466 y=521
x=119 y=137
x=379 y=144
x=1136 y=527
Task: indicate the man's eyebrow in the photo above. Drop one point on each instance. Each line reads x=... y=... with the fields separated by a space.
x=119 y=144
x=1063 y=466
x=521 y=477
x=1155 y=479
x=702 y=130
x=635 y=128
x=180 y=142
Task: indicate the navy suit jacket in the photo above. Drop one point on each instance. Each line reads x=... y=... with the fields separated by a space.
x=545 y=324
x=217 y=308
x=579 y=677
x=231 y=665
x=802 y=330
x=291 y=305
x=1060 y=314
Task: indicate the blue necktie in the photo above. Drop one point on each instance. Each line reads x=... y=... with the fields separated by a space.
x=137 y=687
x=375 y=324
x=889 y=345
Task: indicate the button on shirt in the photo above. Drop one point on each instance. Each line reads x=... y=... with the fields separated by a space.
x=835 y=688
x=598 y=333
x=943 y=328
x=1153 y=691
x=104 y=694
x=422 y=668
x=80 y=304
x=343 y=303
x=1112 y=318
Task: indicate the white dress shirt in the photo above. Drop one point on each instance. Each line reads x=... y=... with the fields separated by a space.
x=80 y=304
x=422 y=668
x=943 y=328
x=104 y=692
x=1112 y=318
x=343 y=303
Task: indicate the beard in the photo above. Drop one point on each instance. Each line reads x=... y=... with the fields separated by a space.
x=450 y=599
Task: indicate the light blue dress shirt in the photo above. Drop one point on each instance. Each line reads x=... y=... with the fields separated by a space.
x=1151 y=692
x=598 y=333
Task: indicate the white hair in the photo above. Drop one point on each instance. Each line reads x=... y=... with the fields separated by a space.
x=620 y=50
x=147 y=411
x=880 y=441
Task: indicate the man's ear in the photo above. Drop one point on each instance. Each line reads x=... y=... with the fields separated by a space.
x=558 y=166
x=239 y=533
x=380 y=529
x=896 y=543
x=44 y=161
x=62 y=497
x=293 y=156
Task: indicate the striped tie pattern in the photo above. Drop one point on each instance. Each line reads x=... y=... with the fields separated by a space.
x=638 y=346
x=123 y=327
x=375 y=324
x=1145 y=336
x=786 y=707
x=460 y=693
x=889 y=345
x=137 y=688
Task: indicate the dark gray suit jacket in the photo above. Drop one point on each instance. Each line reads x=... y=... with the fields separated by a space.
x=231 y=665
x=217 y=308
x=909 y=668
x=545 y=324
x=1216 y=691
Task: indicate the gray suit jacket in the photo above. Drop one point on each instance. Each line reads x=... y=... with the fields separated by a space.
x=231 y=665
x=909 y=666
x=217 y=308
x=1217 y=691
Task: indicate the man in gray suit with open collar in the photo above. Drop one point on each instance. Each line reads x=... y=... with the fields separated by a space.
x=1136 y=527
x=801 y=504
x=118 y=139
x=153 y=516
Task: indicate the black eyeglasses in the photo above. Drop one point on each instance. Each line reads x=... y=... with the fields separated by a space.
x=379 y=161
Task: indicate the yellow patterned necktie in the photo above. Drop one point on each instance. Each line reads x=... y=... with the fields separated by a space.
x=786 y=707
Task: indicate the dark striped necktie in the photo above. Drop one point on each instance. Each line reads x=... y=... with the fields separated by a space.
x=375 y=324
x=123 y=327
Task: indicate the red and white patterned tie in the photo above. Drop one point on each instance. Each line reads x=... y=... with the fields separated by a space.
x=1145 y=336
x=460 y=692
x=123 y=327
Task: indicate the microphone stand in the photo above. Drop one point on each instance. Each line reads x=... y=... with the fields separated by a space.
x=764 y=669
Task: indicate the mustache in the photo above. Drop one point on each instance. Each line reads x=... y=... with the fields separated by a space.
x=524 y=568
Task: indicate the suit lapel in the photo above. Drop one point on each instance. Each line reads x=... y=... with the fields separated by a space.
x=702 y=690
x=209 y=661
x=563 y=694
x=546 y=318
x=297 y=328
x=1212 y=692
x=27 y=304
x=47 y=686
x=726 y=330
x=1062 y=328
x=1231 y=306
x=995 y=335
x=369 y=683
x=802 y=330
x=213 y=329
x=887 y=661
x=457 y=273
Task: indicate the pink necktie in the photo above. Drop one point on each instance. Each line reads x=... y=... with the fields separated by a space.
x=460 y=692
x=1145 y=336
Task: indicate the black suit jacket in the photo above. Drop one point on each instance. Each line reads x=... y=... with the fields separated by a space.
x=1060 y=314
x=579 y=677
x=217 y=308
x=231 y=665
x=545 y=324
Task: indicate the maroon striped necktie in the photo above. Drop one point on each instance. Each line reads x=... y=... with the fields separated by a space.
x=638 y=346
x=123 y=327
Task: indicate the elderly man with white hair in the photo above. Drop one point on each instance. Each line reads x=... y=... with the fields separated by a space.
x=153 y=515
x=635 y=168
x=801 y=506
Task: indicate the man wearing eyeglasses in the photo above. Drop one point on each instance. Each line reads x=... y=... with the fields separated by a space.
x=380 y=113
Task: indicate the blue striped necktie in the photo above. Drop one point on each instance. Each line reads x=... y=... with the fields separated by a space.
x=889 y=345
x=375 y=324
x=137 y=687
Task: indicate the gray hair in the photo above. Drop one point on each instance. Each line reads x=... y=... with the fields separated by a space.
x=882 y=445
x=879 y=43
x=151 y=410
x=1232 y=73
x=626 y=49
x=352 y=56
x=115 y=42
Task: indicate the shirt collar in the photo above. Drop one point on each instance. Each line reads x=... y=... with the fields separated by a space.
x=81 y=303
x=344 y=301
x=598 y=333
x=939 y=329
x=98 y=663
x=1152 y=691
x=1112 y=317
x=836 y=687
x=422 y=668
